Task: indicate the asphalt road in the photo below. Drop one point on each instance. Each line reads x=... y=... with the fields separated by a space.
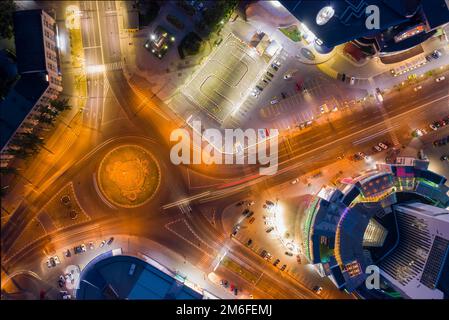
x=306 y=151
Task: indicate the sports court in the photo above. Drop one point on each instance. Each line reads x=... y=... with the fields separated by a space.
x=221 y=85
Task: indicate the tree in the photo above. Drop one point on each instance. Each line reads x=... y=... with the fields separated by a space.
x=8 y=170
x=7 y=8
x=61 y=105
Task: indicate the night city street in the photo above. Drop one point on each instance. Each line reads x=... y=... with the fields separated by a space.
x=233 y=150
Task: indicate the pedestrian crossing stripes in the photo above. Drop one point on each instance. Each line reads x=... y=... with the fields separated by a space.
x=114 y=66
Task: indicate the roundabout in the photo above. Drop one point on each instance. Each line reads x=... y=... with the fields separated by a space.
x=129 y=176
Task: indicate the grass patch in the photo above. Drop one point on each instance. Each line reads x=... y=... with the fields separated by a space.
x=292 y=33
x=238 y=269
x=76 y=48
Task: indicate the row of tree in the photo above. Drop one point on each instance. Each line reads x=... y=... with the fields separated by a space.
x=29 y=143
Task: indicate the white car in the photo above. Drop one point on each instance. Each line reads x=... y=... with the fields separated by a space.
x=56 y=258
x=102 y=243
x=287 y=76
x=352 y=81
x=377 y=148
x=417 y=88
x=440 y=79
x=383 y=145
x=274 y=101
x=433 y=127
x=295 y=181
x=379 y=97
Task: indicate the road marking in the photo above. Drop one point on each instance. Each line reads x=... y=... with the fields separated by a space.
x=380 y=133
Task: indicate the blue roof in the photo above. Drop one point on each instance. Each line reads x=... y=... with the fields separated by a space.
x=112 y=274
x=348 y=22
x=29 y=42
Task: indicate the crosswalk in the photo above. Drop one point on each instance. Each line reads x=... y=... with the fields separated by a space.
x=114 y=66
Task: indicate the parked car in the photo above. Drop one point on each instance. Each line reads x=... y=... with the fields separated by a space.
x=436 y=54
x=377 y=148
x=382 y=145
x=91 y=245
x=111 y=239
x=102 y=243
x=251 y=203
x=51 y=262
x=295 y=181
x=317 y=289
x=287 y=76
x=379 y=96
x=439 y=79
x=444 y=157
x=67 y=253
x=240 y=203
x=249 y=242
x=298 y=258
x=288 y=253
x=251 y=220
x=269 y=229
x=276 y=262
x=352 y=81
x=284 y=266
x=61 y=281
x=362 y=155
x=245 y=212
x=263 y=254
x=274 y=100
x=269 y=203
x=250 y=214
x=80 y=249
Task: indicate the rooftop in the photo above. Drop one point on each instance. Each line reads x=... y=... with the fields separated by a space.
x=19 y=102
x=125 y=277
x=28 y=40
x=344 y=20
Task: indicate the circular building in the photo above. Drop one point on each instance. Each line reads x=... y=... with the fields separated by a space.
x=390 y=224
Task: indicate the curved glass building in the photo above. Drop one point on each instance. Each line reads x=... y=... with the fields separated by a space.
x=393 y=219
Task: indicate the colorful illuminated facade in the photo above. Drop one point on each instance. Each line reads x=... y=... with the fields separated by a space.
x=395 y=218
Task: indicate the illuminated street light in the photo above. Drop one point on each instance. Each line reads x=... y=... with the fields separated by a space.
x=153 y=36
x=324 y=15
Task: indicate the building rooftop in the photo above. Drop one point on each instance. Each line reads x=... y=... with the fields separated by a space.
x=345 y=19
x=19 y=102
x=125 y=277
x=28 y=36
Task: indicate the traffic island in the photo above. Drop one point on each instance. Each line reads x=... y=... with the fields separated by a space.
x=129 y=176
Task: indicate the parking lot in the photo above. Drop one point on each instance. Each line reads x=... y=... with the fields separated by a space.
x=224 y=82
